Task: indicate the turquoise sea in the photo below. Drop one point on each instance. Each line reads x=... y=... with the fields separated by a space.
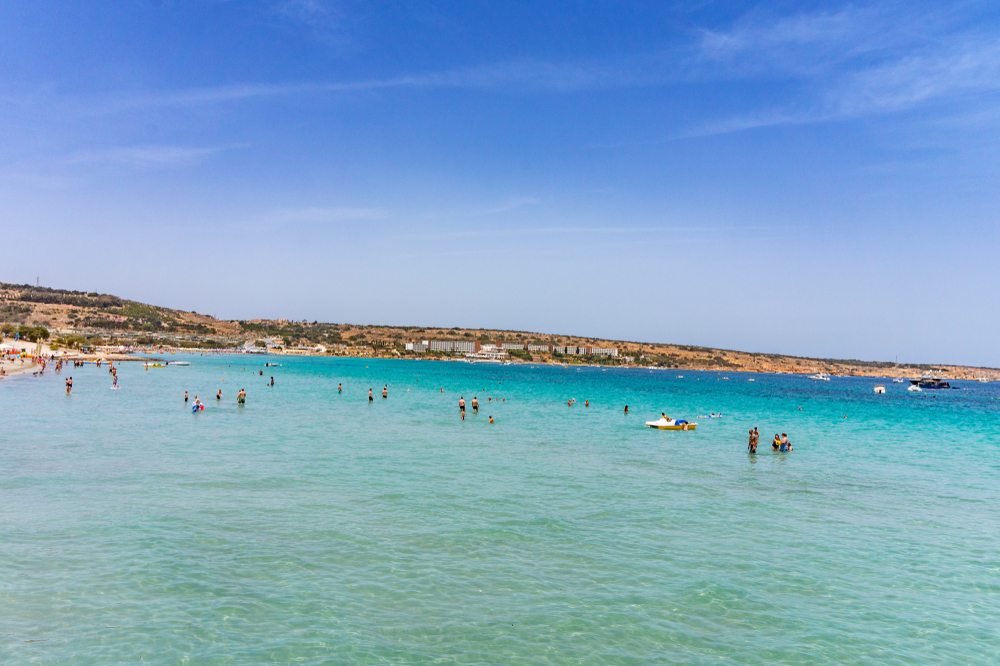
x=311 y=527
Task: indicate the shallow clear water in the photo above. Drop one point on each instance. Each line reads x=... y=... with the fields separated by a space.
x=311 y=527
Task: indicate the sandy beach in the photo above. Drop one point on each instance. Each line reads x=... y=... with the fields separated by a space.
x=13 y=367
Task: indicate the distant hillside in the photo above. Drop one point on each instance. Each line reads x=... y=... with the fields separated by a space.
x=88 y=316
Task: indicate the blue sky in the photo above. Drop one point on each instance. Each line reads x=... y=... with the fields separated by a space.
x=808 y=178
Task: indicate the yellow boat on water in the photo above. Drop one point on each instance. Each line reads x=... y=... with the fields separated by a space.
x=156 y=365
x=671 y=424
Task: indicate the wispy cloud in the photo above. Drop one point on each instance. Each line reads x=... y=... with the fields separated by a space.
x=798 y=43
x=316 y=214
x=970 y=65
x=516 y=76
x=513 y=204
x=830 y=65
x=147 y=156
x=855 y=63
x=325 y=20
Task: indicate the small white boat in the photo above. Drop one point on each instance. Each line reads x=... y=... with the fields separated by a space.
x=671 y=424
x=983 y=380
x=880 y=389
x=820 y=376
x=178 y=363
x=915 y=389
x=899 y=380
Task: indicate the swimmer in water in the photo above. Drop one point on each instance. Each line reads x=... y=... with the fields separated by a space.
x=586 y=403
x=626 y=409
x=340 y=388
x=218 y=396
x=491 y=419
x=370 y=398
x=385 y=392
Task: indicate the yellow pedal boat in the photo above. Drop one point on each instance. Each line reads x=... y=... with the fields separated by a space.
x=671 y=424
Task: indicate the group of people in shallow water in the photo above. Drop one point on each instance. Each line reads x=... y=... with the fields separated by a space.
x=475 y=405
x=241 y=398
x=778 y=444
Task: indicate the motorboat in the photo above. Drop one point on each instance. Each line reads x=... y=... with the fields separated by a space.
x=178 y=363
x=671 y=424
x=880 y=389
x=820 y=376
x=899 y=380
x=913 y=388
x=983 y=380
x=930 y=380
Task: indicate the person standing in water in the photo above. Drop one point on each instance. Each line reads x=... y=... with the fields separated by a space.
x=776 y=443
x=241 y=397
x=69 y=385
x=370 y=398
x=218 y=396
x=475 y=405
x=340 y=388
x=461 y=406
x=385 y=392
x=185 y=396
x=626 y=410
x=752 y=446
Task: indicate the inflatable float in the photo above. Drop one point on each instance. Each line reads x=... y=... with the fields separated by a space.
x=671 y=424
